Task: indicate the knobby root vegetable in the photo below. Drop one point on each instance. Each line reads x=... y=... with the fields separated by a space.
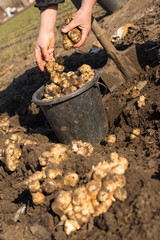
x=111 y=139
x=98 y=174
x=135 y=94
x=12 y=155
x=37 y=176
x=4 y=125
x=75 y=207
x=57 y=153
x=102 y=207
x=53 y=173
x=69 y=18
x=133 y=91
x=70 y=179
x=141 y=101
x=83 y=148
x=93 y=188
x=132 y=136
x=55 y=79
x=73 y=36
x=136 y=132
x=103 y=196
x=15 y=138
x=84 y=68
x=66 y=42
x=61 y=203
x=114 y=157
x=50 y=185
x=38 y=198
x=120 y=194
x=112 y=181
x=52 y=66
x=34 y=186
x=100 y=171
x=71 y=226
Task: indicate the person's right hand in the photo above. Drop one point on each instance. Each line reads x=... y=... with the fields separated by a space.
x=44 y=48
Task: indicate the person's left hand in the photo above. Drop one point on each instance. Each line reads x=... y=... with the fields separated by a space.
x=82 y=20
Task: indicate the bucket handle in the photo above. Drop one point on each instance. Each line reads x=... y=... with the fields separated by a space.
x=99 y=83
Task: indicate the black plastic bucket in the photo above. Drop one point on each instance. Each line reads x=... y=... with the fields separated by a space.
x=111 y=5
x=76 y=116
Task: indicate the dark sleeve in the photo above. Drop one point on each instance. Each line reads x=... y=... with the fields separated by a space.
x=43 y=4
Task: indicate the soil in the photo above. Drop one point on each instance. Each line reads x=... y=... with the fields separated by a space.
x=138 y=217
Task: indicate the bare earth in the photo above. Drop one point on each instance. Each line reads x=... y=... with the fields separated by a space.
x=138 y=217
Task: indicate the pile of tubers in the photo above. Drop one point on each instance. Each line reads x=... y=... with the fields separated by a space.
x=63 y=83
x=60 y=152
x=51 y=178
x=105 y=185
x=11 y=153
x=76 y=204
x=132 y=91
x=73 y=36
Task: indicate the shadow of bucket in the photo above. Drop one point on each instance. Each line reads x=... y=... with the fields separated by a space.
x=76 y=116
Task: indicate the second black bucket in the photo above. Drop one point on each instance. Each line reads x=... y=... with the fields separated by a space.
x=77 y=116
x=111 y=5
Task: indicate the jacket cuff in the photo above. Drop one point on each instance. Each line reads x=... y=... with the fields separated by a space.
x=43 y=4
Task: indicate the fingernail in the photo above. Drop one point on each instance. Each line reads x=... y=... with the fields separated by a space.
x=63 y=30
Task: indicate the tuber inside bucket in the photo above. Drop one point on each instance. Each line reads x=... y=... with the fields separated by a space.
x=76 y=116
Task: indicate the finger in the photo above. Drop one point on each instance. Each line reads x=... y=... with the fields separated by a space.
x=39 y=59
x=52 y=56
x=46 y=55
x=51 y=53
x=69 y=27
x=83 y=39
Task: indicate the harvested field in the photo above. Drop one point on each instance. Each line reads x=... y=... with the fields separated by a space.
x=138 y=216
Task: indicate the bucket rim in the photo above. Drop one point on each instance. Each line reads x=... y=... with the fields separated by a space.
x=67 y=96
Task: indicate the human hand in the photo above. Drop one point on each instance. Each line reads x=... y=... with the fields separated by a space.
x=44 y=48
x=82 y=20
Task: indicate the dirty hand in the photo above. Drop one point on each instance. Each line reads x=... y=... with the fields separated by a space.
x=82 y=20
x=44 y=48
